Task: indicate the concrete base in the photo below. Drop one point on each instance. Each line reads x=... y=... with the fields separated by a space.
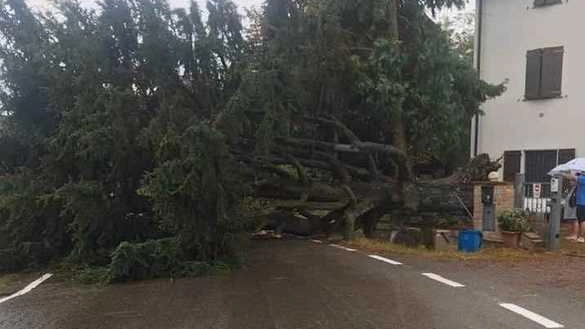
x=531 y=242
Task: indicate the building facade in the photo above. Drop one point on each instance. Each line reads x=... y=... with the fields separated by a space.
x=537 y=47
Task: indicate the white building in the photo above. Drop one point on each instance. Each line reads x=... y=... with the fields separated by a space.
x=538 y=47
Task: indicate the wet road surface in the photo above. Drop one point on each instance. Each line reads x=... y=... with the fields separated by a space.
x=298 y=285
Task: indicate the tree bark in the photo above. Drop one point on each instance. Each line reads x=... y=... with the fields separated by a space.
x=344 y=188
x=397 y=121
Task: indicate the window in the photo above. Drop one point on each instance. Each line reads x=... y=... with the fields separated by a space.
x=544 y=73
x=512 y=165
x=542 y=3
x=537 y=164
x=566 y=155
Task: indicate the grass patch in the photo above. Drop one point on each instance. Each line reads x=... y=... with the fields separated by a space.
x=6 y=282
x=487 y=253
x=102 y=275
x=572 y=248
x=12 y=282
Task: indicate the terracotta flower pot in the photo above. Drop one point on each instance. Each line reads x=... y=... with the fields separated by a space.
x=511 y=239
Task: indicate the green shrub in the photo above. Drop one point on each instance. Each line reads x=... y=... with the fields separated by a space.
x=193 y=268
x=93 y=275
x=514 y=221
x=154 y=259
x=151 y=259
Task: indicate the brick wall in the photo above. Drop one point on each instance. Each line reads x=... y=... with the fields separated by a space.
x=503 y=199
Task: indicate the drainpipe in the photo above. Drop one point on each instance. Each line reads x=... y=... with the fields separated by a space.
x=478 y=67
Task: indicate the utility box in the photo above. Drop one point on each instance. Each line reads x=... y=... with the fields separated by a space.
x=489 y=208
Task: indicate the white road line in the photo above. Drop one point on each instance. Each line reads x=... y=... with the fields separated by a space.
x=385 y=260
x=28 y=288
x=342 y=247
x=316 y=241
x=441 y=279
x=532 y=316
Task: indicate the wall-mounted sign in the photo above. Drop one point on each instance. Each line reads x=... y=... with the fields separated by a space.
x=554 y=185
x=536 y=191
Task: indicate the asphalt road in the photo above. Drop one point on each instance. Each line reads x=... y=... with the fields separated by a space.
x=298 y=285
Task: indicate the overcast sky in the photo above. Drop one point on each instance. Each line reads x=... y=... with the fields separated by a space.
x=44 y=4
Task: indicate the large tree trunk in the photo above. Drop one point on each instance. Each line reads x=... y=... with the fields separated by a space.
x=398 y=130
x=371 y=203
x=315 y=186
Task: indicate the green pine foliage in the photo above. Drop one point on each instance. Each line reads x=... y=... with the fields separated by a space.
x=107 y=121
x=139 y=261
x=119 y=126
x=193 y=189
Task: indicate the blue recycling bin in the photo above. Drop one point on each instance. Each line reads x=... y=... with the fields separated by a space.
x=469 y=240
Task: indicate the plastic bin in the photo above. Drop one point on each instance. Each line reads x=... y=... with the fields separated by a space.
x=469 y=240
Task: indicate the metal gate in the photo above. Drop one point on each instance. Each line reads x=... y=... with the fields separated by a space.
x=536 y=197
x=533 y=191
x=537 y=194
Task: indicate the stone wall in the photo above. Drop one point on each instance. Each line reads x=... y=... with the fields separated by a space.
x=503 y=200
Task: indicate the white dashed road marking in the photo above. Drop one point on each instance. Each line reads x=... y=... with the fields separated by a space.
x=28 y=288
x=341 y=247
x=385 y=260
x=441 y=279
x=547 y=323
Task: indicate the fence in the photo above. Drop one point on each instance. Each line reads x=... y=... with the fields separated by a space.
x=535 y=197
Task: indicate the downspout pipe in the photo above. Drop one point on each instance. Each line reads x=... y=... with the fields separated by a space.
x=478 y=68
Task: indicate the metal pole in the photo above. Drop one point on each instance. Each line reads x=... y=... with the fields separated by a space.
x=463 y=205
x=554 y=224
x=519 y=191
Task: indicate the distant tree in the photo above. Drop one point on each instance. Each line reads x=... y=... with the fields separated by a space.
x=461 y=30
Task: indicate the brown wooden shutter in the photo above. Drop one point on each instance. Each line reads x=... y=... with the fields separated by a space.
x=566 y=155
x=538 y=164
x=541 y=3
x=533 y=73
x=552 y=72
x=512 y=163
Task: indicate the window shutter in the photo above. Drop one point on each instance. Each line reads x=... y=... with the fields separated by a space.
x=512 y=163
x=552 y=72
x=566 y=155
x=533 y=73
x=541 y=3
x=538 y=164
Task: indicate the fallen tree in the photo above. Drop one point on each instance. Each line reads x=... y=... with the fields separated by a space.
x=132 y=122
x=319 y=186
x=337 y=107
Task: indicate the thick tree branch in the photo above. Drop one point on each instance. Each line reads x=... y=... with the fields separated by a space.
x=337 y=166
x=367 y=148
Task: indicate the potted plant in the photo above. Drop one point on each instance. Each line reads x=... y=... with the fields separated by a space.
x=512 y=224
